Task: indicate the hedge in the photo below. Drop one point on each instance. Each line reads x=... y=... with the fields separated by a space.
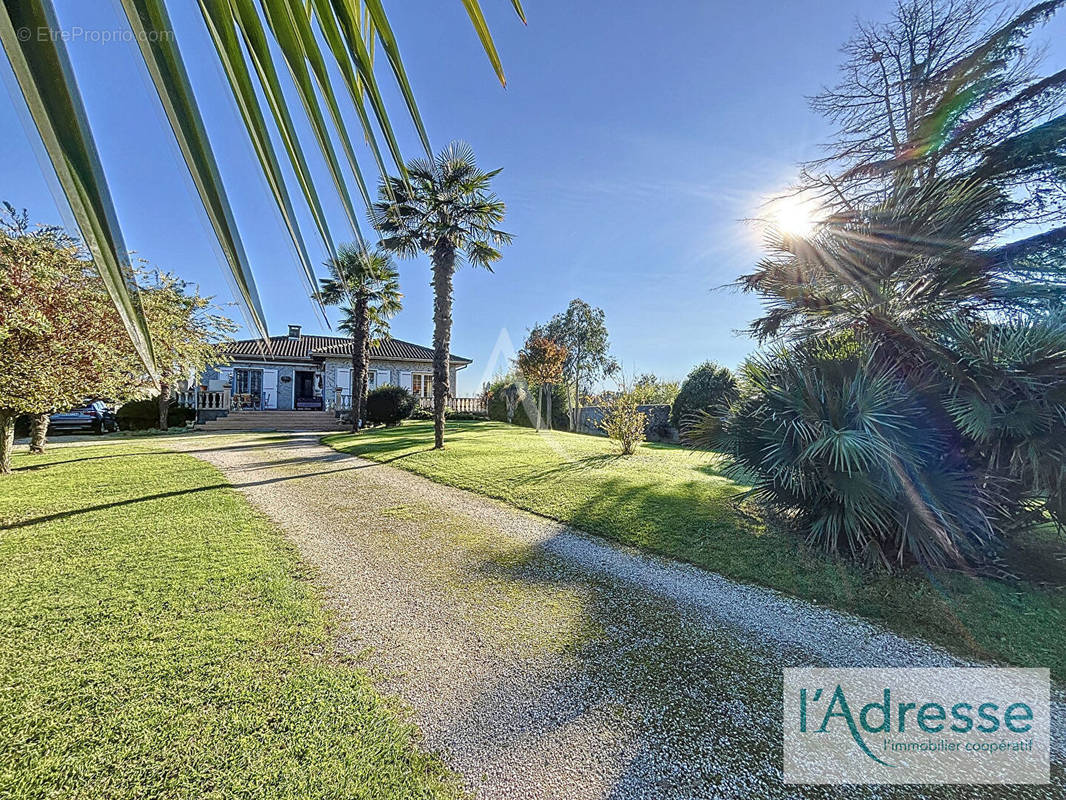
x=142 y=415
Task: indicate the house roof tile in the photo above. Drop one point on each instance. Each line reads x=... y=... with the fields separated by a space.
x=303 y=348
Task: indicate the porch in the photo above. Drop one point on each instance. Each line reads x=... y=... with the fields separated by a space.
x=254 y=387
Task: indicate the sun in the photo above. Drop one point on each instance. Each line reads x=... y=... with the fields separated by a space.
x=793 y=216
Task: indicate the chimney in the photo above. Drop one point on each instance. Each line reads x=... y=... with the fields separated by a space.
x=294 y=331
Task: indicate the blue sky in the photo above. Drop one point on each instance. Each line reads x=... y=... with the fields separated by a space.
x=635 y=138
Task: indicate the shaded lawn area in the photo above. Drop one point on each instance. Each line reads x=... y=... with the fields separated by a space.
x=158 y=638
x=676 y=502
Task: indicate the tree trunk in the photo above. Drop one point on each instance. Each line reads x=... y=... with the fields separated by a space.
x=164 y=404
x=575 y=409
x=359 y=365
x=366 y=383
x=39 y=433
x=443 y=269
x=366 y=369
x=576 y=412
x=7 y=439
x=550 y=387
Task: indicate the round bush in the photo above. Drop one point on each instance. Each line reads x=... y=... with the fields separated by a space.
x=143 y=415
x=708 y=387
x=389 y=405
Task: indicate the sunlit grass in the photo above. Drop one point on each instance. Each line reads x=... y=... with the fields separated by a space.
x=676 y=502
x=158 y=638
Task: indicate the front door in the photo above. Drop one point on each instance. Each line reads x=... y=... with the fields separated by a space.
x=305 y=390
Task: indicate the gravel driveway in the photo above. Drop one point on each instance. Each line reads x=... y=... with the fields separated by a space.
x=544 y=663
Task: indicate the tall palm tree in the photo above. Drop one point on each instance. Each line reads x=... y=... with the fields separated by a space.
x=364 y=282
x=448 y=211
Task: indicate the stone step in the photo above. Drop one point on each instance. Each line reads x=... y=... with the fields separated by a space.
x=279 y=415
x=275 y=421
x=268 y=428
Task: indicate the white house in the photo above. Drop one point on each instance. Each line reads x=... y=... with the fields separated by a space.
x=315 y=372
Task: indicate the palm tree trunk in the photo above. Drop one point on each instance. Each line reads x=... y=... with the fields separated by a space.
x=39 y=433
x=359 y=366
x=443 y=269
x=366 y=383
x=7 y=439
x=164 y=404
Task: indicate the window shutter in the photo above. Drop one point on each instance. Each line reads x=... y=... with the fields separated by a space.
x=344 y=380
x=270 y=388
x=405 y=381
x=384 y=377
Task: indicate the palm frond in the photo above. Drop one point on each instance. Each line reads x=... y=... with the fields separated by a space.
x=350 y=30
x=258 y=47
x=279 y=16
x=44 y=74
x=220 y=25
x=159 y=48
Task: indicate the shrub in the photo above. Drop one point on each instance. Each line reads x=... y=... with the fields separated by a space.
x=708 y=387
x=497 y=405
x=1009 y=405
x=852 y=457
x=142 y=415
x=422 y=413
x=648 y=390
x=623 y=422
x=389 y=405
x=427 y=414
x=468 y=416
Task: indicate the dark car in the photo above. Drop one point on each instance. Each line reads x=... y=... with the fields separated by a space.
x=93 y=415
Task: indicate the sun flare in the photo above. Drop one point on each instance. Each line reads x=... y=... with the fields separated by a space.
x=793 y=216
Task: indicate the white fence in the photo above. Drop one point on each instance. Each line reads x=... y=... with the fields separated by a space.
x=466 y=405
x=201 y=400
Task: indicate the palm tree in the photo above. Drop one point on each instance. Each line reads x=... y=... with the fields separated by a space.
x=365 y=280
x=448 y=211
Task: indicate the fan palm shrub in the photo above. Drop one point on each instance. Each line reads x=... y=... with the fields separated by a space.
x=448 y=211
x=845 y=451
x=1010 y=409
x=365 y=280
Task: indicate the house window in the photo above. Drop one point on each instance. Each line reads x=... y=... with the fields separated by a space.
x=248 y=388
x=422 y=385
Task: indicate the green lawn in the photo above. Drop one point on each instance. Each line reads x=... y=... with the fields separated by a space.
x=159 y=639
x=676 y=502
